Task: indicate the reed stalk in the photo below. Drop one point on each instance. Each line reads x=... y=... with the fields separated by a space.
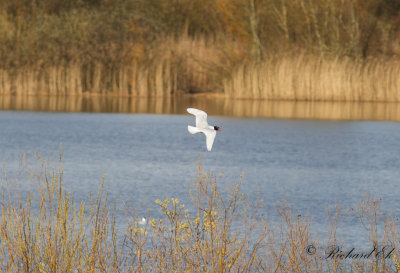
x=298 y=77
x=302 y=77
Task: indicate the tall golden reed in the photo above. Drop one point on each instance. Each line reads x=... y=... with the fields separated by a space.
x=198 y=66
x=175 y=66
x=306 y=77
x=238 y=48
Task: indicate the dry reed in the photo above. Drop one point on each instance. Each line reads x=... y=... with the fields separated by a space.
x=311 y=78
x=176 y=66
x=196 y=66
x=238 y=48
x=46 y=231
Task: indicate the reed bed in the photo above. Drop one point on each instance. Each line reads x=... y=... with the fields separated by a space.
x=306 y=77
x=77 y=80
x=344 y=50
x=46 y=230
x=176 y=66
x=191 y=67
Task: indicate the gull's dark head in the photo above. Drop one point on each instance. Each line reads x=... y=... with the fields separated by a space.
x=216 y=128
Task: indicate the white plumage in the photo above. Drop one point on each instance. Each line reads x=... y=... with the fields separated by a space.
x=142 y=221
x=203 y=127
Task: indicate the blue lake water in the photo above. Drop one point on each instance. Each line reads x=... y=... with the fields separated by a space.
x=314 y=164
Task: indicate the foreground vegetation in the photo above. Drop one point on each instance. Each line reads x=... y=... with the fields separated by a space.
x=270 y=49
x=45 y=230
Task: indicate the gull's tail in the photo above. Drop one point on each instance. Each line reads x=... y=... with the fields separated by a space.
x=193 y=130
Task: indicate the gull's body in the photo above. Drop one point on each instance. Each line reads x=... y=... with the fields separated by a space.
x=203 y=127
x=142 y=221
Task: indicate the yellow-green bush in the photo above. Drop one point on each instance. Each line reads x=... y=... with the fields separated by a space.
x=45 y=230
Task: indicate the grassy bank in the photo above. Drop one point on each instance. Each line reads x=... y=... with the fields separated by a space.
x=47 y=231
x=344 y=50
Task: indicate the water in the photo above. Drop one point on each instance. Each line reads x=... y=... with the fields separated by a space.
x=214 y=105
x=314 y=164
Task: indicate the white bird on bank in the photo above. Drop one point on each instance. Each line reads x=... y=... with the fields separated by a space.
x=203 y=127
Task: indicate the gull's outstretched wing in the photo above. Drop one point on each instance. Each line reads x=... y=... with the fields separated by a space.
x=210 y=135
x=201 y=117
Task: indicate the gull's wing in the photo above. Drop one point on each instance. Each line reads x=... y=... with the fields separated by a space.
x=210 y=135
x=201 y=117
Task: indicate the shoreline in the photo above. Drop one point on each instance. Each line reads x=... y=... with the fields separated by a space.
x=215 y=105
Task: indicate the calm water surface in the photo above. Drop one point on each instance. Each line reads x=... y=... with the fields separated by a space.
x=315 y=164
x=214 y=106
